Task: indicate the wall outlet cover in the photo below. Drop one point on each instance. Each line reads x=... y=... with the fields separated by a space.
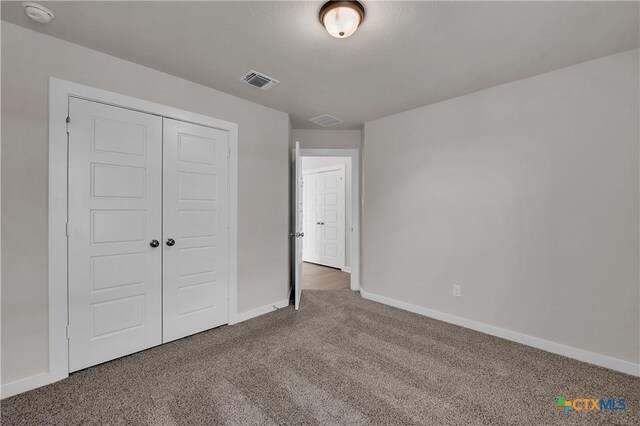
x=457 y=290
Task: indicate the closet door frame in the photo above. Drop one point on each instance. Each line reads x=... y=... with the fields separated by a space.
x=60 y=91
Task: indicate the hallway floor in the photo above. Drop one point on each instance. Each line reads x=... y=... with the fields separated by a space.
x=318 y=277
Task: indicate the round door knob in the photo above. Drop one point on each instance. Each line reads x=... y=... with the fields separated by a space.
x=170 y=242
x=154 y=243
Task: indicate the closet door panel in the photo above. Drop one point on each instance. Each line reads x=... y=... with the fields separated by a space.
x=195 y=229
x=115 y=210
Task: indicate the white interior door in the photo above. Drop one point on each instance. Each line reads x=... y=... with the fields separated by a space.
x=298 y=229
x=196 y=235
x=115 y=214
x=325 y=203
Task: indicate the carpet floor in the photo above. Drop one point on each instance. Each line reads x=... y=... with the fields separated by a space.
x=339 y=360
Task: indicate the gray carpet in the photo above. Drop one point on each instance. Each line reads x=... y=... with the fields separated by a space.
x=340 y=360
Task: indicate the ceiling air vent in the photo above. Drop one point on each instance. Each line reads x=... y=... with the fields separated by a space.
x=261 y=81
x=325 y=120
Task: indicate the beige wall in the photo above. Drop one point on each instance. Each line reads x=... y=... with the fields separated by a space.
x=310 y=163
x=28 y=60
x=327 y=139
x=526 y=195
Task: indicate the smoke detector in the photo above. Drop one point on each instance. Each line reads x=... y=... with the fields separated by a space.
x=259 y=80
x=38 y=13
x=325 y=120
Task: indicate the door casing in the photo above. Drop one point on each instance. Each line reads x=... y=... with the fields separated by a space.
x=60 y=91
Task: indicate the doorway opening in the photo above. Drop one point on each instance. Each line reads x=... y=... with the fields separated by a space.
x=326 y=199
x=327 y=220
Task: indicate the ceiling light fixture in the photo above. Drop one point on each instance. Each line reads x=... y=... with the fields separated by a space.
x=341 y=18
x=37 y=13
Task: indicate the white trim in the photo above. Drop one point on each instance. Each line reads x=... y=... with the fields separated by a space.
x=29 y=383
x=355 y=204
x=347 y=269
x=525 y=339
x=59 y=93
x=244 y=316
x=233 y=224
x=57 y=226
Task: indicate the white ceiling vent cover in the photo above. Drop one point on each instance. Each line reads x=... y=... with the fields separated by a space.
x=326 y=120
x=261 y=81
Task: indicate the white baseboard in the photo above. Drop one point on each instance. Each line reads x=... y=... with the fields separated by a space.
x=536 y=342
x=29 y=383
x=262 y=310
x=347 y=269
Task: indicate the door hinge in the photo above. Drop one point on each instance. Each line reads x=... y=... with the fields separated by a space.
x=66 y=228
x=68 y=121
x=67 y=331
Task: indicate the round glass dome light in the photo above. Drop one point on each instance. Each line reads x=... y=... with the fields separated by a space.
x=341 y=18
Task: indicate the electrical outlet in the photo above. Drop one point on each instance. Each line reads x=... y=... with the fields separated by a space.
x=457 y=290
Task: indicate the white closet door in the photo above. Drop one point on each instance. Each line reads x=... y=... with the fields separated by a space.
x=115 y=208
x=195 y=229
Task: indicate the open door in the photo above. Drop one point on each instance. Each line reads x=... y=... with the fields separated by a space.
x=298 y=234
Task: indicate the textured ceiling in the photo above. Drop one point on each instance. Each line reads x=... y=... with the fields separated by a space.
x=405 y=55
